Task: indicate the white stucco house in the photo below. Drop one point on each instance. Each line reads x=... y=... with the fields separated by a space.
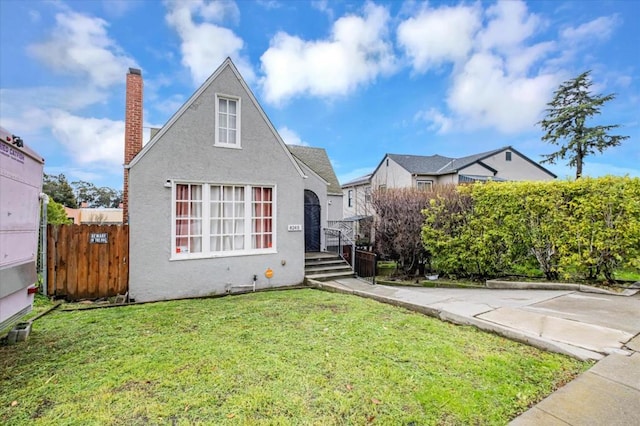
x=216 y=200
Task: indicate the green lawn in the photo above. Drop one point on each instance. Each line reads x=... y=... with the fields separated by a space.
x=288 y=357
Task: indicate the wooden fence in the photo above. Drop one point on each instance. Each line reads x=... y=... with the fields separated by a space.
x=87 y=261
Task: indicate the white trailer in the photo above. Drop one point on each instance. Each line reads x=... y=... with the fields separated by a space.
x=21 y=171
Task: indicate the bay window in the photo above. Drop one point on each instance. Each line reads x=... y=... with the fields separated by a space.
x=221 y=220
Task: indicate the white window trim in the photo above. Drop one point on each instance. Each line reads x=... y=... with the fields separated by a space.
x=217 y=143
x=206 y=222
x=424 y=181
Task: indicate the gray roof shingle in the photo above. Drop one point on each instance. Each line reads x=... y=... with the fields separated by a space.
x=437 y=164
x=318 y=161
x=358 y=181
x=421 y=164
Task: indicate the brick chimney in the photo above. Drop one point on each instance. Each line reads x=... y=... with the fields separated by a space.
x=132 y=131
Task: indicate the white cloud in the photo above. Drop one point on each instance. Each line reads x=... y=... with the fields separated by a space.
x=290 y=137
x=357 y=51
x=35 y=16
x=169 y=105
x=502 y=83
x=206 y=45
x=438 y=121
x=46 y=97
x=80 y=45
x=98 y=141
x=118 y=7
x=510 y=24
x=599 y=28
x=323 y=6
x=269 y=4
x=484 y=95
x=436 y=36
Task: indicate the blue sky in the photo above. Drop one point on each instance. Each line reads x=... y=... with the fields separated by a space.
x=359 y=79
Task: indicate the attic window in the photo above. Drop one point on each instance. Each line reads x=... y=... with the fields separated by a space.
x=227 y=121
x=507 y=156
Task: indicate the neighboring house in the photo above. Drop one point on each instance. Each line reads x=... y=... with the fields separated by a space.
x=356 y=194
x=94 y=215
x=419 y=171
x=502 y=164
x=216 y=200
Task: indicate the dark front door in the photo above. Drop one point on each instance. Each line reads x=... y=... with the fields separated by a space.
x=311 y=221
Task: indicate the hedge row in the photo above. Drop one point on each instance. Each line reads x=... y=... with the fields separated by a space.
x=585 y=229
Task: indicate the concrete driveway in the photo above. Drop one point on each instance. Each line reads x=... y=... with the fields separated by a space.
x=585 y=326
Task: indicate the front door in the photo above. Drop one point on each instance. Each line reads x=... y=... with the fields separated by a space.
x=311 y=221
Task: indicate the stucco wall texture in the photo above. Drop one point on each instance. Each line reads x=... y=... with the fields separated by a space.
x=186 y=152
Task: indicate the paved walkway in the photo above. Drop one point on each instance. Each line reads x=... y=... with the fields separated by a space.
x=585 y=326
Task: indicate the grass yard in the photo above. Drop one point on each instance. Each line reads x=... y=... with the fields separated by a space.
x=290 y=357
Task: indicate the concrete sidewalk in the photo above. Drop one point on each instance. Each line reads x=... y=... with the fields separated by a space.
x=584 y=326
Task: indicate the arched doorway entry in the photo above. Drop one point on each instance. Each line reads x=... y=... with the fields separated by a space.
x=311 y=221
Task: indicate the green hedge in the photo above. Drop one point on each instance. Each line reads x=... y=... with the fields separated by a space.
x=583 y=229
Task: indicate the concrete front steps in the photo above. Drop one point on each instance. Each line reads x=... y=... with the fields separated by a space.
x=323 y=266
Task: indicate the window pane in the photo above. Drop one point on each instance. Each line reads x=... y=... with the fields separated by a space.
x=188 y=213
x=226 y=243
x=182 y=209
x=232 y=107
x=214 y=226
x=222 y=133
x=228 y=193
x=232 y=137
x=195 y=227
x=222 y=121
x=232 y=122
x=196 y=245
x=227 y=218
x=216 y=243
x=222 y=105
x=262 y=218
x=196 y=192
x=215 y=192
x=238 y=242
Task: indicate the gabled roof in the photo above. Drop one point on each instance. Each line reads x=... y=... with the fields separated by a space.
x=440 y=165
x=228 y=63
x=318 y=161
x=359 y=181
x=420 y=164
x=459 y=163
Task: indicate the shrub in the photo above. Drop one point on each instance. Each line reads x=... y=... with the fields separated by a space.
x=588 y=228
x=398 y=224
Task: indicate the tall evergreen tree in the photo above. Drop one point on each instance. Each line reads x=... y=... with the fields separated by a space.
x=565 y=123
x=58 y=188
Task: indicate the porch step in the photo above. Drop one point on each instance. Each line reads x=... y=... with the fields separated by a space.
x=326 y=266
